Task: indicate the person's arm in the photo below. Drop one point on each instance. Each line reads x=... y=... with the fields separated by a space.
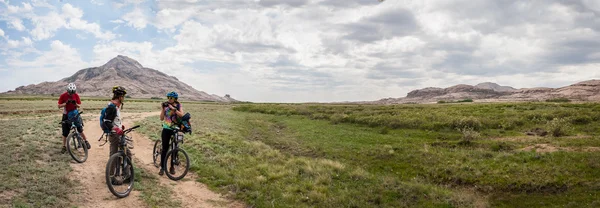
x=61 y=102
x=77 y=101
x=110 y=115
x=178 y=112
x=162 y=113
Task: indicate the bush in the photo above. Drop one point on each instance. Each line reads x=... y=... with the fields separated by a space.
x=469 y=134
x=558 y=127
x=467 y=122
x=466 y=101
x=581 y=120
x=558 y=100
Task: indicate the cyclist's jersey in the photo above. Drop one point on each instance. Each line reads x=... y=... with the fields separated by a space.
x=69 y=107
x=169 y=116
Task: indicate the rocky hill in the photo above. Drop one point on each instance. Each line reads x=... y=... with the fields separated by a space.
x=139 y=81
x=492 y=92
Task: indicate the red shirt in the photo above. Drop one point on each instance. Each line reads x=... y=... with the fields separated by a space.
x=65 y=97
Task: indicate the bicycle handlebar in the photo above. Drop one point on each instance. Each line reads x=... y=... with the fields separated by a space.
x=130 y=129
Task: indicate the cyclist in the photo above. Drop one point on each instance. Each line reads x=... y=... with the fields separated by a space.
x=69 y=101
x=112 y=118
x=171 y=112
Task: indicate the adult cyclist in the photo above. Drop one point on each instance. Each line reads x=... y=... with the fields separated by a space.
x=69 y=101
x=171 y=111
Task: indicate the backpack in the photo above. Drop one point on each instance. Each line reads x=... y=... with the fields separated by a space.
x=77 y=121
x=186 y=125
x=105 y=128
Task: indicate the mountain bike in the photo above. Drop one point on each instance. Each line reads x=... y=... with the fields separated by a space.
x=75 y=144
x=119 y=168
x=178 y=158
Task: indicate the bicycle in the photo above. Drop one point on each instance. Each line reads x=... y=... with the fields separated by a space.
x=174 y=155
x=119 y=168
x=75 y=144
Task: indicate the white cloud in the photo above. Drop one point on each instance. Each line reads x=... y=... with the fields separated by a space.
x=70 y=18
x=136 y=18
x=1 y=32
x=91 y=28
x=97 y=2
x=60 y=61
x=17 y=24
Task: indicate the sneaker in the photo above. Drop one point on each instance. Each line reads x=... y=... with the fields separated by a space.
x=64 y=149
x=161 y=172
x=172 y=170
x=87 y=144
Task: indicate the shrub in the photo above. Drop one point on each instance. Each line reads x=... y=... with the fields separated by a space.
x=581 y=120
x=558 y=127
x=558 y=100
x=467 y=122
x=469 y=134
x=466 y=101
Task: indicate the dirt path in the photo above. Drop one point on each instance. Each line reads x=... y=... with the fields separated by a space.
x=96 y=194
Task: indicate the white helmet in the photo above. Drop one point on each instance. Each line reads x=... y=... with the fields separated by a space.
x=71 y=88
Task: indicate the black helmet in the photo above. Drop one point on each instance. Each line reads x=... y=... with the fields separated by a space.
x=118 y=90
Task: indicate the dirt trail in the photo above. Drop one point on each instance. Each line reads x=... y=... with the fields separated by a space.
x=96 y=194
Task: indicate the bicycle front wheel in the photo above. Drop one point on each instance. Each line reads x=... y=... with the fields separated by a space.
x=76 y=147
x=119 y=175
x=156 y=152
x=177 y=164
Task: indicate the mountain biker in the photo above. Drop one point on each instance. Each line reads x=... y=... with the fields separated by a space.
x=171 y=111
x=112 y=118
x=70 y=101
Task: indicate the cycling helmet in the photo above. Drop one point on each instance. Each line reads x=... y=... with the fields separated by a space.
x=118 y=90
x=71 y=88
x=173 y=94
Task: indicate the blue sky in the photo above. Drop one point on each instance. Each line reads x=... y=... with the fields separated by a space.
x=307 y=50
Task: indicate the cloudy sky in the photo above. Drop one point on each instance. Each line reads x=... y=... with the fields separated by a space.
x=307 y=50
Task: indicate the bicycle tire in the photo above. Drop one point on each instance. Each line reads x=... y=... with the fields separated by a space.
x=168 y=159
x=115 y=160
x=75 y=143
x=156 y=151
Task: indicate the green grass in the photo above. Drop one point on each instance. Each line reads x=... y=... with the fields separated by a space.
x=289 y=155
x=307 y=155
x=34 y=173
x=152 y=192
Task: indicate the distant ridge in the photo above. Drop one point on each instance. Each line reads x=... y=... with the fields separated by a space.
x=492 y=92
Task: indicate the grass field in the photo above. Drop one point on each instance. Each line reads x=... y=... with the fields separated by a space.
x=437 y=155
x=450 y=155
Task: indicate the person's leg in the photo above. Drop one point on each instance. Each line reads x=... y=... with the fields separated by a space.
x=80 y=129
x=166 y=138
x=65 y=133
x=114 y=143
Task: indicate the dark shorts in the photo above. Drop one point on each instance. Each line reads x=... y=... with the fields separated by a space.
x=66 y=127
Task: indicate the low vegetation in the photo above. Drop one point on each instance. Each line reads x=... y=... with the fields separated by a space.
x=34 y=173
x=301 y=155
x=306 y=155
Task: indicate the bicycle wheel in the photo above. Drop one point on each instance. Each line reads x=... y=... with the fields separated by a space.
x=178 y=164
x=77 y=148
x=156 y=152
x=119 y=175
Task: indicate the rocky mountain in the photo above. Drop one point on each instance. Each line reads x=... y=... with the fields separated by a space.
x=140 y=82
x=492 y=92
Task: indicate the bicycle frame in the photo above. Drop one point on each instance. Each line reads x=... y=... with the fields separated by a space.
x=122 y=147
